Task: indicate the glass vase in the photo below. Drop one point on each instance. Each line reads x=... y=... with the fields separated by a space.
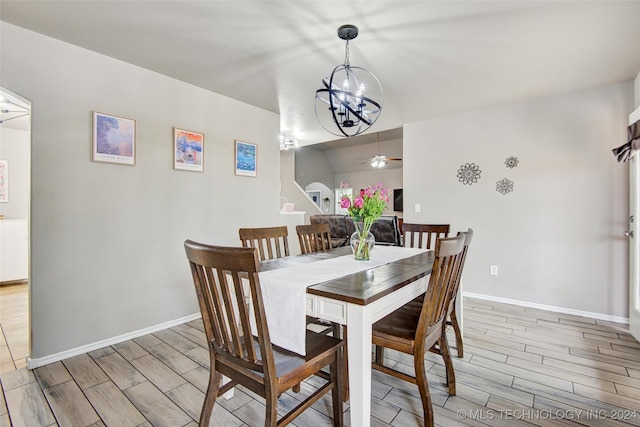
x=362 y=242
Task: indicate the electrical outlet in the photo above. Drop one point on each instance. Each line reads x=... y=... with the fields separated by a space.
x=418 y=208
x=494 y=270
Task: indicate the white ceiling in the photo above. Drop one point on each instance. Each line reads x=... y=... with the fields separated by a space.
x=432 y=57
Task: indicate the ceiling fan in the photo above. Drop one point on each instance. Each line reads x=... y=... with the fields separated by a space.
x=379 y=160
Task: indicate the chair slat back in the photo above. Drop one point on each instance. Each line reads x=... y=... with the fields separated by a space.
x=227 y=283
x=423 y=235
x=468 y=237
x=314 y=237
x=271 y=242
x=443 y=276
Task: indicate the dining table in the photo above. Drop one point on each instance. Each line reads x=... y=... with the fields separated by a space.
x=355 y=294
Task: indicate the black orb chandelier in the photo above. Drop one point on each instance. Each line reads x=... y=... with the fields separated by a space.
x=350 y=100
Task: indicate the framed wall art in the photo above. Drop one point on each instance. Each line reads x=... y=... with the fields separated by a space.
x=114 y=139
x=188 y=150
x=246 y=159
x=316 y=197
x=4 y=181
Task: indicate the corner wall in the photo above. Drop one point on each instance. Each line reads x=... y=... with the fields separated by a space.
x=107 y=255
x=557 y=238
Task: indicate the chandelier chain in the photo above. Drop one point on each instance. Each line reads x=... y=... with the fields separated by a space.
x=346 y=55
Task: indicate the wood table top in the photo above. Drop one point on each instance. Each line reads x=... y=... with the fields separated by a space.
x=363 y=287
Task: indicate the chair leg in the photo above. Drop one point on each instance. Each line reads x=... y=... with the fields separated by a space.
x=423 y=387
x=210 y=396
x=345 y=366
x=335 y=329
x=271 y=410
x=456 y=329
x=448 y=363
x=379 y=355
x=336 y=394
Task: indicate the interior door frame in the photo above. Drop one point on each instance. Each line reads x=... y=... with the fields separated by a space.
x=634 y=239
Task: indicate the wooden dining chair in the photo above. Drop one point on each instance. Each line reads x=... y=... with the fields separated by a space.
x=317 y=238
x=314 y=237
x=423 y=235
x=227 y=283
x=452 y=314
x=271 y=242
x=415 y=332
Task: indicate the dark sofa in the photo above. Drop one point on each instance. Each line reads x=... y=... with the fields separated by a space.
x=385 y=229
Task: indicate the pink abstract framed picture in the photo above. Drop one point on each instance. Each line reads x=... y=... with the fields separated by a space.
x=114 y=139
x=188 y=150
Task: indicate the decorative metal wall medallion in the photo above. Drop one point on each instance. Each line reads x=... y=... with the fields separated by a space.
x=504 y=186
x=511 y=162
x=469 y=173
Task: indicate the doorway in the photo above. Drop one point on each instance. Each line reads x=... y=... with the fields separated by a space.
x=15 y=189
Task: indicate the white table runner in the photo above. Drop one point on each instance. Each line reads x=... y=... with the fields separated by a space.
x=283 y=290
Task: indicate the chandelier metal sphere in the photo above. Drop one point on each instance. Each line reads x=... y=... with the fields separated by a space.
x=350 y=100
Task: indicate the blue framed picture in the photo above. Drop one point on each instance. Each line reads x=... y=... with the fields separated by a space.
x=246 y=159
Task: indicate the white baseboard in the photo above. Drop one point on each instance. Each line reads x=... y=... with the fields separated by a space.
x=599 y=316
x=41 y=361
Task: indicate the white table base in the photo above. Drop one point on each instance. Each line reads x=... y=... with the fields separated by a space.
x=359 y=321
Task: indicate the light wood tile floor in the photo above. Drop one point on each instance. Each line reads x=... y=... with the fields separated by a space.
x=14 y=332
x=522 y=367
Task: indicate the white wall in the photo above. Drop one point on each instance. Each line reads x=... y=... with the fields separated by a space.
x=325 y=191
x=312 y=165
x=291 y=190
x=107 y=253
x=14 y=148
x=557 y=238
x=637 y=91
